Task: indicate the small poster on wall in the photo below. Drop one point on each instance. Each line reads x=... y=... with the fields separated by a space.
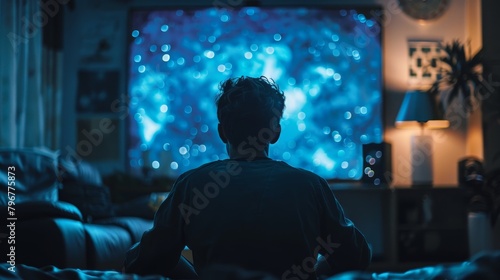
x=424 y=63
x=100 y=37
x=97 y=89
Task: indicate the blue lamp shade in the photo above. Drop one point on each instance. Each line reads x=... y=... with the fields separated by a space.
x=417 y=110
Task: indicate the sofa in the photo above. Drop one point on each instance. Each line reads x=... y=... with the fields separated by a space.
x=59 y=213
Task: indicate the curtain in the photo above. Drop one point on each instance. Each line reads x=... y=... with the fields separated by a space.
x=52 y=64
x=30 y=80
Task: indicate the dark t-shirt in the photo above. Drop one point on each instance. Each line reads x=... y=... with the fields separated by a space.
x=261 y=215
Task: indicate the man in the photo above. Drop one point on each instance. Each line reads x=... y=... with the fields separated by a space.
x=250 y=212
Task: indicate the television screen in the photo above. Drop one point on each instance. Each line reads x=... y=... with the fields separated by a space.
x=328 y=61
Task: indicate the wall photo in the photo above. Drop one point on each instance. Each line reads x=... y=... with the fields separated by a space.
x=97 y=89
x=424 y=63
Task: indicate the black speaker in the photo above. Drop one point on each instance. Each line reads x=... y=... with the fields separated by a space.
x=471 y=172
x=377 y=164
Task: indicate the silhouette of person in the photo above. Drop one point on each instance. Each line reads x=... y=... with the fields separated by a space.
x=249 y=211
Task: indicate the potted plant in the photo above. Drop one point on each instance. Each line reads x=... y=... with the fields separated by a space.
x=461 y=79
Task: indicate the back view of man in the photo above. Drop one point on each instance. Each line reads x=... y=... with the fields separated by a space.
x=250 y=211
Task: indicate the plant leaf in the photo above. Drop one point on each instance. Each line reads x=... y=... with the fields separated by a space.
x=477 y=58
x=461 y=75
x=452 y=95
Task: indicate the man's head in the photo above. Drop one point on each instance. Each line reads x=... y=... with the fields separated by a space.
x=249 y=108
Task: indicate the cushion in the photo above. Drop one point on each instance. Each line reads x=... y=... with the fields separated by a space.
x=106 y=246
x=33 y=175
x=134 y=225
x=82 y=186
x=81 y=171
x=93 y=201
x=48 y=241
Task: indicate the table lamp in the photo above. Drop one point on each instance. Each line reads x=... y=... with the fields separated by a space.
x=418 y=111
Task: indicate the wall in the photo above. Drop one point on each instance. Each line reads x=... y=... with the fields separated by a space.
x=491 y=106
x=449 y=144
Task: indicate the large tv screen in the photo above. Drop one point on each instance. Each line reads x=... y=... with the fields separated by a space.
x=328 y=61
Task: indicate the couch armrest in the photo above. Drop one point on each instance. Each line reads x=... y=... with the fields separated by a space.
x=47 y=241
x=30 y=210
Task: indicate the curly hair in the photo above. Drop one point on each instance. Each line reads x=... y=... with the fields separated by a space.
x=247 y=107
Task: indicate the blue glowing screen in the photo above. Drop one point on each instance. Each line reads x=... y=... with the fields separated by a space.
x=327 y=61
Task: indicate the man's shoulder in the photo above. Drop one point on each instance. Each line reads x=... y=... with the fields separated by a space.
x=297 y=172
x=279 y=167
x=201 y=168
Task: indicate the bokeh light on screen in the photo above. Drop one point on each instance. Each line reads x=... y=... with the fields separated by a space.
x=327 y=61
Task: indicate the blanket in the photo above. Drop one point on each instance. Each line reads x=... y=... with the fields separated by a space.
x=23 y=272
x=483 y=266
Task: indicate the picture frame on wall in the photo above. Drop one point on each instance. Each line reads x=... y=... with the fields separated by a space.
x=424 y=63
x=97 y=89
x=99 y=36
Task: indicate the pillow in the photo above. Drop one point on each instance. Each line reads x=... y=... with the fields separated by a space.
x=82 y=186
x=33 y=175
x=93 y=201
x=83 y=172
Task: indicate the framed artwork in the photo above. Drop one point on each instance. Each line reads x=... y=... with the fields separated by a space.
x=97 y=89
x=99 y=36
x=424 y=63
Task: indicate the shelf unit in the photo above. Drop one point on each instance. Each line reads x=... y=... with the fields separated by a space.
x=409 y=227
x=431 y=224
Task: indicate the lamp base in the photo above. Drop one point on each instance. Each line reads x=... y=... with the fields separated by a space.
x=421 y=160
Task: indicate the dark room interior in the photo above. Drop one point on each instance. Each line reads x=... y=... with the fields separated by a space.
x=394 y=103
